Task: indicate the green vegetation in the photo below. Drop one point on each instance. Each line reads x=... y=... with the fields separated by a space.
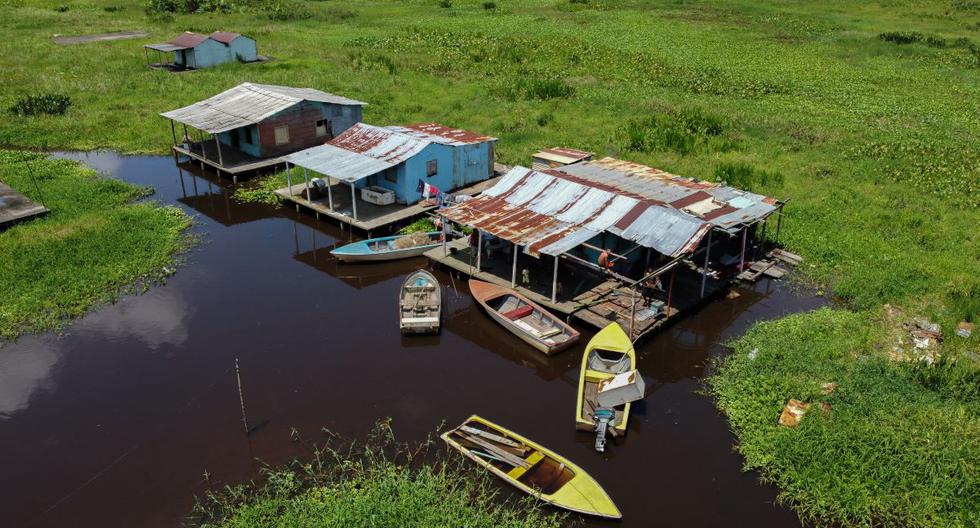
x=422 y=225
x=380 y=484
x=897 y=445
x=51 y=104
x=94 y=244
x=863 y=115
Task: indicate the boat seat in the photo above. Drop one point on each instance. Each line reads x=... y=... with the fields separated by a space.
x=550 y=333
x=518 y=313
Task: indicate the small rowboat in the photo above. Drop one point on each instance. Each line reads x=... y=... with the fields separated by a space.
x=388 y=248
x=533 y=469
x=609 y=353
x=528 y=321
x=419 y=304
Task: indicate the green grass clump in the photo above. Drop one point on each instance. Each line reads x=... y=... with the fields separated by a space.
x=378 y=485
x=424 y=225
x=897 y=445
x=95 y=243
x=45 y=103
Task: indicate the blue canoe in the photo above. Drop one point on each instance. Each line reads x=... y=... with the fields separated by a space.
x=388 y=248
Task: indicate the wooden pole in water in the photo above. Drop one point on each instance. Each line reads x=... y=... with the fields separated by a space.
x=779 y=223
x=200 y=136
x=670 y=292
x=513 y=271
x=217 y=144
x=241 y=396
x=704 y=272
x=173 y=131
x=330 y=192
x=306 y=181
x=445 y=249
x=554 y=281
x=479 y=249
x=289 y=181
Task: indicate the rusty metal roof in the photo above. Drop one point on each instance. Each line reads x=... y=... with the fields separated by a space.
x=225 y=37
x=189 y=39
x=555 y=210
x=359 y=152
x=248 y=104
x=443 y=134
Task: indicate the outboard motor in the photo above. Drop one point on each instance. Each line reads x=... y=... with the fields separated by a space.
x=603 y=417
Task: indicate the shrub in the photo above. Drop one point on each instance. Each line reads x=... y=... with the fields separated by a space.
x=282 y=11
x=745 y=176
x=902 y=37
x=445 y=4
x=112 y=8
x=45 y=103
x=489 y=5
x=682 y=131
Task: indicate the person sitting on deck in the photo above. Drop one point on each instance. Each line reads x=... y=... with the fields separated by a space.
x=651 y=285
x=604 y=261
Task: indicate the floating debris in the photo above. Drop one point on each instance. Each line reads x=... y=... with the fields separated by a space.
x=965 y=329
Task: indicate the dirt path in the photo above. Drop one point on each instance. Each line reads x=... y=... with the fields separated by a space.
x=82 y=39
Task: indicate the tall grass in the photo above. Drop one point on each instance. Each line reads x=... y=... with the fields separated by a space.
x=379 y=483
x=93 y=245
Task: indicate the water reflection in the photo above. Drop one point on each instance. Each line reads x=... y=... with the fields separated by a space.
x=156 y=318
x=24 y=370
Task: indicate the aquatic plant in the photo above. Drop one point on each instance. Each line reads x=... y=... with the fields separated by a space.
x=42 y=103
x=379 y=482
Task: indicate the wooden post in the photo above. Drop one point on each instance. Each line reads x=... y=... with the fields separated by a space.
x=330 y=192
x=632 y=310
x=704 y=272
x=479 y=249
x=200 y=135
x=186 y=135
x=173 y=131
x=554 y=281
x=513 y=272
x=670 y=292
x=353 y=199
x=445 y=249
x=741 y=261
x=306 y=181
x=241 y=396
x=779 y=223
x=221 y=159
x=289 y=181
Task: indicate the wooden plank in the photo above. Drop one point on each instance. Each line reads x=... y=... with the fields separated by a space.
x=490 y=436
x=510 y=458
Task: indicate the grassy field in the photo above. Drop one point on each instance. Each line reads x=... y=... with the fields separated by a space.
x=93 y=245
x=866 y=116
x=377 y=484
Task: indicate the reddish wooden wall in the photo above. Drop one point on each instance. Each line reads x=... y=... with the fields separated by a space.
x=301 y=120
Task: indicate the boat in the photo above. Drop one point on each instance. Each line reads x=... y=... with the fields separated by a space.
x=533 y=469
x=609 y=353
x=419 y=304
x=530 y=322
x=388 y=248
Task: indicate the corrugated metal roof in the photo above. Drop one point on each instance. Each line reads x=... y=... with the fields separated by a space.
x=225 y=37
x=442 y=134
x=166 y=47
x=555 y=210
x=724 y=206
x=189 y=39
x=562 y=155
x=359 y=152
x=248 y=104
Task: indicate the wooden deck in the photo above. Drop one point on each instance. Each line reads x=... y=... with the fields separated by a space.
x=596 y=303
x=370 y=217
x=235 y=161
x=15 y=207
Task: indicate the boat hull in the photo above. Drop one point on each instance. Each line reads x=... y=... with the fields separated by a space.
x=581 y=494
x=426 y=323
x=610 y=338
x=365 y=250
x=484 y=292
x=385 y=256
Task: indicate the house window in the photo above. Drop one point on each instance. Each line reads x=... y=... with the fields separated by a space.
x=247 y=132
x=322 y=126
x=432 y=167
x=282 y=135
x=391 y=175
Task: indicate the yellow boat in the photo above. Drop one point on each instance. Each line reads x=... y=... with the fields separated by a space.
x=609 y=353
x=530 y=467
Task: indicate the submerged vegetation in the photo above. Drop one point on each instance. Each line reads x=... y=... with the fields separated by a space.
x=380 y=483
x=94 y=244
x=863 y=115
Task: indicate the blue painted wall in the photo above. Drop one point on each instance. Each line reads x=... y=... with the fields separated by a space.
x=207 y=54
x=242 y=48
x=251 y=148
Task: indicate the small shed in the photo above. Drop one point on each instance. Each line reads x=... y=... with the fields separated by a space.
x=399 y=158
x=252 y=122
x=194 y=50
x=551 y=158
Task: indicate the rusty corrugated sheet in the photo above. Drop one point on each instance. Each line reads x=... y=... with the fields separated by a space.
x=359 y=152
x=189 y=39
x=443 y=134
x=225 y=37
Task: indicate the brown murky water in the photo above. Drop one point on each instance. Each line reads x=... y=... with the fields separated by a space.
x=116 y=423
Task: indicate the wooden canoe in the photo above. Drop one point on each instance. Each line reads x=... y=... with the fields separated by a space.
x=419 y=304
x=609 y=353
x=386 y=248
x=533 y=469
x=528 y=321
